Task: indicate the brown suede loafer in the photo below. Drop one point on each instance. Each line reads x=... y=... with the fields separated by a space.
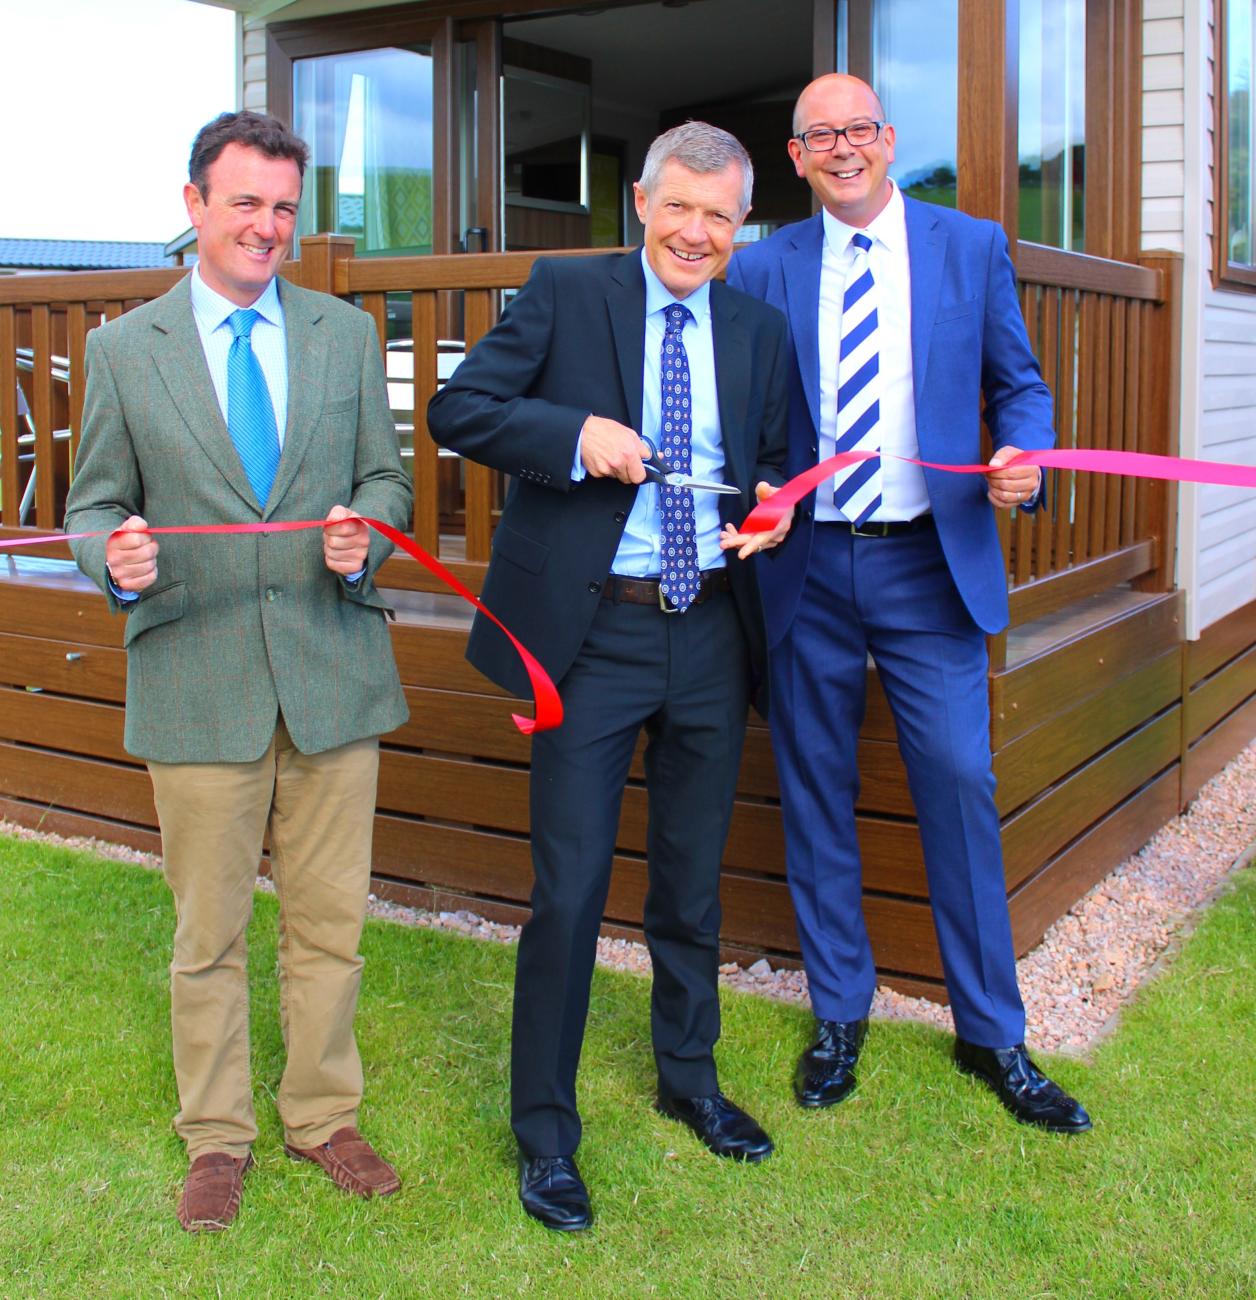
x=350 y=1162
x=212 y=1190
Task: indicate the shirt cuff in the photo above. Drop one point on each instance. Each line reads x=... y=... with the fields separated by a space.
x=578 y=471
x=352 y=579
x=122 y=597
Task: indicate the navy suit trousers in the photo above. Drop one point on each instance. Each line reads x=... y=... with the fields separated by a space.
x=684 y=678
x=893 y=598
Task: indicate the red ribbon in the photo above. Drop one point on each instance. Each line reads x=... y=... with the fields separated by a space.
x=1133 y=464
x=549 y=708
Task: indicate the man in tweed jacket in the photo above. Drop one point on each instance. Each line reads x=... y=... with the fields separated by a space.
x=259 y=668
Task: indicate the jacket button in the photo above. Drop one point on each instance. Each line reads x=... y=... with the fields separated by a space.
x=595 y=587
x=815 y=451
x=619 y=517
x=271 y=593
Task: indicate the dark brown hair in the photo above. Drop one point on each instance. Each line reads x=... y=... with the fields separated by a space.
x=258 y=131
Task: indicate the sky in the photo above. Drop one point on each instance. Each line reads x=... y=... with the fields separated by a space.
x=99 y=103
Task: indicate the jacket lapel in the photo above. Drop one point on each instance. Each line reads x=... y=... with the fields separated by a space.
x=306 y=333
x=926 y=253
x=800 y=267
x=180 y=360
x=733 y=365
x=625 y=300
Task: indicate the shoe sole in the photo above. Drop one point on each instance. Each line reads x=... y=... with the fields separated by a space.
x=1066 y=1129
x=822 y=1103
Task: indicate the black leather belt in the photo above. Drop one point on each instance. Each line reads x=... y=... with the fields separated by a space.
x=645 y=591
x=880 y=528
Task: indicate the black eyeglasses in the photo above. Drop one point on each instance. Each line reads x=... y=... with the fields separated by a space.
x=821 y=139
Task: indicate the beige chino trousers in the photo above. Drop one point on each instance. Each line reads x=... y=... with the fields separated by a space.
x=319 y=809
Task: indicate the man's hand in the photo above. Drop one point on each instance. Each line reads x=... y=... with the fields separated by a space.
x=609 y=449
x=131 y=554
x=1011 y=487
x=752 y=542
x=345 y=545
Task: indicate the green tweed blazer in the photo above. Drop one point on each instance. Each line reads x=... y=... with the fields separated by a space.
x=238 y=629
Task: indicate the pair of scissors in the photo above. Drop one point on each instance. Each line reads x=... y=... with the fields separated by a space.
x=659 y=471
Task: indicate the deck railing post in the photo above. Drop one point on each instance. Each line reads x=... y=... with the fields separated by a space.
x=320 y=255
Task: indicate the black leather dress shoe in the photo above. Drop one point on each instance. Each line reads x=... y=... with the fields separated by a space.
x=1022 y=1087
x=826 y=1070
x=724 y=1128
x=552 y=1191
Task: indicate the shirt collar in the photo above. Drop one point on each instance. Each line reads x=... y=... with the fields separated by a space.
x=658 y=295
x=213 y=309
x=888 y=227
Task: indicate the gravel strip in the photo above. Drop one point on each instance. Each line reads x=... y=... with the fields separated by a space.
x=1074 y=982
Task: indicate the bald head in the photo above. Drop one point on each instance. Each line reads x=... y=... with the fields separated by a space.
x=824 y=89
x=850 y=180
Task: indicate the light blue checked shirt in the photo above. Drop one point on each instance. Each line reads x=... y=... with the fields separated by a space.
x=270 y=342
x=640 y=548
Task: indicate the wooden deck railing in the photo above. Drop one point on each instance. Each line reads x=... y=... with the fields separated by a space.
x=1105 y=332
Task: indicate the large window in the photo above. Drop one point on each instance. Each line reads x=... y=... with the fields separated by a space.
x=367 y=117
x=908 y=51
x=1233 y=238
x=1052 y=127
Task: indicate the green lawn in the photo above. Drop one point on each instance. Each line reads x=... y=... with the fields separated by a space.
x=920 y=1185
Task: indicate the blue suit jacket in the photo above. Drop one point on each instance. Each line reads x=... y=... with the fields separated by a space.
x=968 y=341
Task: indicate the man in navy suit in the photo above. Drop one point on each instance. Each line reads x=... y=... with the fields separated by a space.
x=902 y=316
x=621 y=589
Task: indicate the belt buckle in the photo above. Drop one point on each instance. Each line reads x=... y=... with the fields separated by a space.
x=857 y=531
x=663 y=605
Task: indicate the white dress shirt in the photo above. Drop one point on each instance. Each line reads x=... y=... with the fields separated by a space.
x=903 y=491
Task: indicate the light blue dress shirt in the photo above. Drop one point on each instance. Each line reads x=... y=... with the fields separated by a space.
x=639 y=553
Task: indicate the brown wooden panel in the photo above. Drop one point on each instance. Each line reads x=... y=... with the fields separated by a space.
x=1213 y=699
x=1066 y=430
x=55 y=821
x=82 y=726
x=64 y=667
x=79 y=784
x=1038 y=264
x=1044 y=899
x=1215 y=749
x=1094 y=661
x=73 y=610
x=1032 y=762
x=1048 y=824
x=425 y=463
x=89 y=286
x=1220 y=643
x=10 y=484
x=1054 y=591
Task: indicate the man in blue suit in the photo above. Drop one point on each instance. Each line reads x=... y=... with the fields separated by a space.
x=903 y=316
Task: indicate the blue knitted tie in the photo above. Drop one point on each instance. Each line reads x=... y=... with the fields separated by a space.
x=679 y=578
x=250 y=414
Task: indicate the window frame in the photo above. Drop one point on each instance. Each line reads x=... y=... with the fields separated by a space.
x=1239 y=276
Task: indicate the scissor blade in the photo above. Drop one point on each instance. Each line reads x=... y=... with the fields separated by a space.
x=701 y=485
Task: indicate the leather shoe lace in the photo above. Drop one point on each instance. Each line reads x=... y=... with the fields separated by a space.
x=825 y=1073
x=1022 y=1087
x=552 y=1192
x=723 y=1127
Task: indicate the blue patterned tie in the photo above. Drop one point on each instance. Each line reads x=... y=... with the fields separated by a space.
x=250 y=414
x=857 y=490
x=679 y=578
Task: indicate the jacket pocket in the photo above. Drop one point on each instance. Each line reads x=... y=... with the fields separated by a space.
x=519 y=549
x=954 y=310
x=340 y=405
x=155 y=608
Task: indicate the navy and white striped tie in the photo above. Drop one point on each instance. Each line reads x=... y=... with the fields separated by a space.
x=250 y=412
x=857 y=489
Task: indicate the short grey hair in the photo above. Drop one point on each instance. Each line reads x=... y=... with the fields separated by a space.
x=702 y=148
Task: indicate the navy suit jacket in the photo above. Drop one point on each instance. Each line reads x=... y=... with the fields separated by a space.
x=968 y=341
x=570 y=344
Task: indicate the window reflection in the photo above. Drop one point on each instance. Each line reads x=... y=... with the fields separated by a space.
x=367 y=118
x=1053 y=122
x=1238 y=91
x=908 y=51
